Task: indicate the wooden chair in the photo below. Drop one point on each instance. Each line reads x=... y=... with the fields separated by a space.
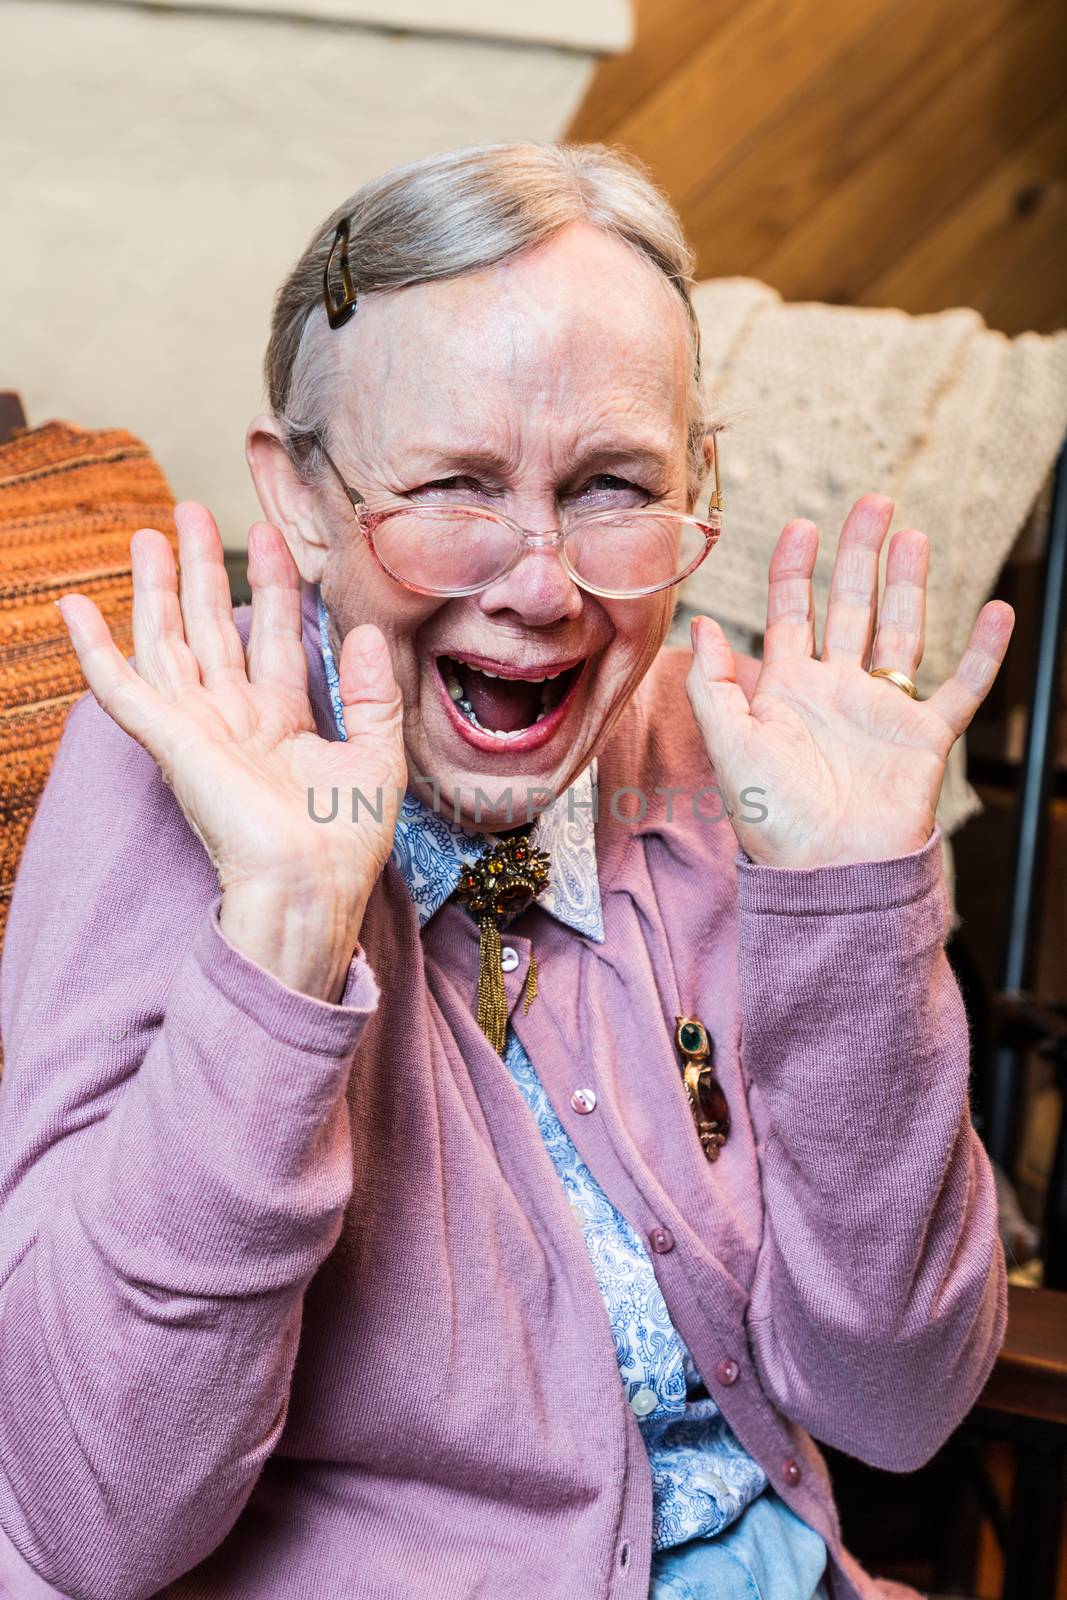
x=1025 y=1401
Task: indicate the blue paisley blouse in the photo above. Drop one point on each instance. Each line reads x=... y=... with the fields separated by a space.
x=702 y=1478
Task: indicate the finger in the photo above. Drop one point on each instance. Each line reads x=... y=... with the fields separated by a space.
x=959 y=697
x=901 y=633
x=275 y=643
x=369 y=692
x=719 y=703
x=854 y=581
x=790 y=603
x=207 y=610
x=120 y=690
x=163 y=657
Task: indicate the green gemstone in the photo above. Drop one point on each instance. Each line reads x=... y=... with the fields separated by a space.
x=691 y=1036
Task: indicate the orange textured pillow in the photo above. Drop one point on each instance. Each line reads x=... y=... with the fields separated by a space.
x=70 y=500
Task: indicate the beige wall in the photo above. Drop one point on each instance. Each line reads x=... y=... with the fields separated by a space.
x=163 y=169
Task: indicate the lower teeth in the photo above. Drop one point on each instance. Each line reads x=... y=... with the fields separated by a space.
x=463 y=705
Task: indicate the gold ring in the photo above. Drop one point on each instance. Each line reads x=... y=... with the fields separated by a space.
x=899 y=678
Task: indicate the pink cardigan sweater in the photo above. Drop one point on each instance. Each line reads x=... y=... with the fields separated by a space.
x=292 y=1304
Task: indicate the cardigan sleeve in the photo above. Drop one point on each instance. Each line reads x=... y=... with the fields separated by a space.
x=880 y=1295
x=175 y=1164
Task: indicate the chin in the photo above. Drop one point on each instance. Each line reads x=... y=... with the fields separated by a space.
x=503 y=794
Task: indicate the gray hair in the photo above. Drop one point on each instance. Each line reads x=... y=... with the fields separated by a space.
x=459 y=212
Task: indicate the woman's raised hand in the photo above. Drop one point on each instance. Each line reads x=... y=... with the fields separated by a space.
x=235 y=739
x=849 y=766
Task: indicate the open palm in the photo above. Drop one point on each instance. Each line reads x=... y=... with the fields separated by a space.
x=233 y=734
x=849 y=766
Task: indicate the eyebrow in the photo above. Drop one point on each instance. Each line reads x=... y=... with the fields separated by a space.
x=435 y=460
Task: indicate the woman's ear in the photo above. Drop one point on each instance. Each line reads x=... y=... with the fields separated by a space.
x=288 y=502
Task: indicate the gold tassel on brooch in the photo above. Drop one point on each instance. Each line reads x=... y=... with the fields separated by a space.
x=493 y=889
x=492 y=1000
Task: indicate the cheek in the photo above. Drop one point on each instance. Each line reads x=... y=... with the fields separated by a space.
x=353 y=585
x=355 y=590
x=640 y=627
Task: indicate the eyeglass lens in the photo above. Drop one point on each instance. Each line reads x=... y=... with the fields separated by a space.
x=452 y=551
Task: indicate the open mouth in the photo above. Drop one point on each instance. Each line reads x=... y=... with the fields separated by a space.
x=496 y=701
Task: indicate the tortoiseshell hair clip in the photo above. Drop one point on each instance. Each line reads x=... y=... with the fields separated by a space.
x=338 y=311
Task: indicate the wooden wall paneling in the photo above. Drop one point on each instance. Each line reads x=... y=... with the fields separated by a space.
x=741 y=75
x=990 y=242
x=1036 y=298
x=933 y=161
x=907 y=152
x=668 y=32
x=746 y=206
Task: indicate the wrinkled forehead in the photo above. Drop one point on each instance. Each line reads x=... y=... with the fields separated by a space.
x=580 y=337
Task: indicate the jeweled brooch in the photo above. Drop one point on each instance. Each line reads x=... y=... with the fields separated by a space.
x=704 y=1092
x=500 y=884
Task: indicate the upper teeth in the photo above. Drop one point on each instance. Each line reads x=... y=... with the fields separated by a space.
x=451 y=679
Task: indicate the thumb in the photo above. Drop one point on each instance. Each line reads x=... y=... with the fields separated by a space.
x=719 y=704
x=369 y=692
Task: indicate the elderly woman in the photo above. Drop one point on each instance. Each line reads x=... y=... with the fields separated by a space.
x=483 y=1092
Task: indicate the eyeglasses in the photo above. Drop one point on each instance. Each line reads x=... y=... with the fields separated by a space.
x=453 y=550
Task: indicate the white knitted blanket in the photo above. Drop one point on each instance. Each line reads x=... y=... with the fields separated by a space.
x=960 y=425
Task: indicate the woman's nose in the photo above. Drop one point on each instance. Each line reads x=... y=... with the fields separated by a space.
x=538 y=589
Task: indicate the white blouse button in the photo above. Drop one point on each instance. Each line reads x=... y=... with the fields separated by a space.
x=644 y=1401
x=509 y=958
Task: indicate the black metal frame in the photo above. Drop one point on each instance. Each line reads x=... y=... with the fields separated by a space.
x=1023 y=1021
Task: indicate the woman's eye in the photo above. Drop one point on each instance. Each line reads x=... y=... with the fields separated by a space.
x=458 y=483
x=608 y=484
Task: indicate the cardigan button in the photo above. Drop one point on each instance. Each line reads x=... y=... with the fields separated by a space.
x=661 y=1239
x=644 y=1401
x=791 y=1471
x=583 y=1100
x=727 y=1371
x=509 y=958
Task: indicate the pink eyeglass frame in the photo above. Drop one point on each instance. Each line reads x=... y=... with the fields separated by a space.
x=369 y=522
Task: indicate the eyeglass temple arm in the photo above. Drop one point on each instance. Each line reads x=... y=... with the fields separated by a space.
x=353 y=494
x=715 y=501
